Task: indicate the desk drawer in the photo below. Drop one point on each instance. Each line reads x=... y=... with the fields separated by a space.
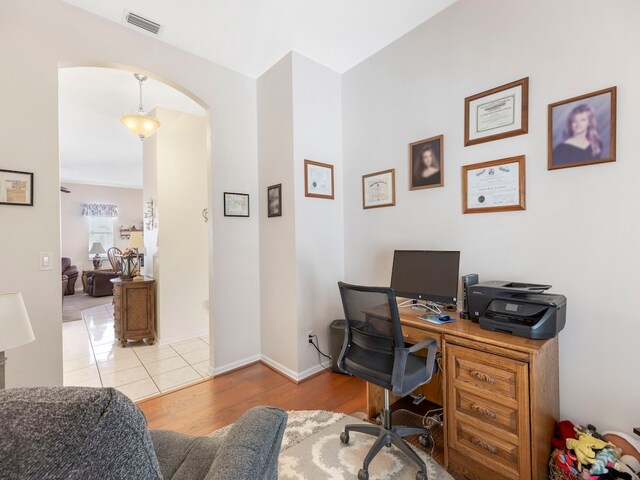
x=495 y=453
x=487 y=412
x=488 y=373
x=415 y=335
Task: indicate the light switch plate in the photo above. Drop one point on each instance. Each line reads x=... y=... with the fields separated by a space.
x=46 y=261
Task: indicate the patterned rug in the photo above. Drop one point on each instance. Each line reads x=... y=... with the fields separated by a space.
x=311 y=449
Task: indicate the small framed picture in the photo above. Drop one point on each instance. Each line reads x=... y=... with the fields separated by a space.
x=236 y=204
x=274 y=201
x=379 y=189
x=496 y=186
x=318 y=180
x=498 y=113
x=426 y=163
x=16 y=188
x=582 y=130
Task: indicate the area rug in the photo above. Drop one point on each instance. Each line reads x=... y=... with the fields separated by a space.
x=311 y=449
x=73 y=305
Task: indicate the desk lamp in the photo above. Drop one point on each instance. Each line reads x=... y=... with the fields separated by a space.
x=136 y=243
x=15 y=329
x=97 y=249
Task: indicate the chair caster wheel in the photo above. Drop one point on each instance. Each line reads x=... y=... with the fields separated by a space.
x=425 y=441
x=344 y=438
x=363 y=475
x=421 y=476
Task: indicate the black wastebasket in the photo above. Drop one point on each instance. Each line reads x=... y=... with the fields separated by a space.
x=336 y=339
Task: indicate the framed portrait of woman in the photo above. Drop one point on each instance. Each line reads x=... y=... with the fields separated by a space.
x=426 y=163
x=582 y=130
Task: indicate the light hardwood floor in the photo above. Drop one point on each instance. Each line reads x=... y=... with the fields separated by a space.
x=202 y=408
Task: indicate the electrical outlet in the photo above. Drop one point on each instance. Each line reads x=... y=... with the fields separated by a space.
x=310 y=336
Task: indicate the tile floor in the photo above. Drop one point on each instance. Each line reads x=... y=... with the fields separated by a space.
x=92 y=358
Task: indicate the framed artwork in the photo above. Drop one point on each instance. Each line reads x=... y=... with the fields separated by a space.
x=496 y=186
x=498 y=113
x=582 y=130
x=16 y=188
x=236 y=204
x=426 y=163
x=318 y=179
x=274 y=200
x=379 y=189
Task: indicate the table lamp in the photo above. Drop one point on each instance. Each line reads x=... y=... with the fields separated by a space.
x=136 y=243
x=97 y=249
x=15 y=329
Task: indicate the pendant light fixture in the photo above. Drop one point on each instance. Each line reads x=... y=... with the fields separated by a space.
x=139 y=122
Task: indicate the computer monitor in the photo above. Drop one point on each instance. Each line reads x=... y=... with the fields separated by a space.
x=429 y=275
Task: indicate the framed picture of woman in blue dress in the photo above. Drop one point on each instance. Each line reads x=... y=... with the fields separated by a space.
x=582 y=130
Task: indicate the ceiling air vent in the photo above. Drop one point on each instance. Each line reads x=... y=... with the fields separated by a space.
x=143 y=23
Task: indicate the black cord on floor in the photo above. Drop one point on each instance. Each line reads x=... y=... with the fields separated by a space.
x=319 y=352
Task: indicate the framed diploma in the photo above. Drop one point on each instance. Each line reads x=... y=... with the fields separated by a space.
x=497 y=113
x=496 y=186
x=16 y=188
x=318 y=180
x=379 y=189
x=236 y=204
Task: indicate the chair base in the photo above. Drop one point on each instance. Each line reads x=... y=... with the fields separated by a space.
x=387 y=436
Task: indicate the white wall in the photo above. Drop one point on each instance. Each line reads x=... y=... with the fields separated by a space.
x=317 y=126
x=38 y=36
x=178 y=249
x=302 y=252
x=278 y=291
x=580 y=230
x=75 y=227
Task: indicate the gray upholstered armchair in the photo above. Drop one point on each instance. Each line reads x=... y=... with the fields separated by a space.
x=98 y=433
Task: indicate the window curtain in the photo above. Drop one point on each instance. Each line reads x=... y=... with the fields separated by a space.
x=99 y=210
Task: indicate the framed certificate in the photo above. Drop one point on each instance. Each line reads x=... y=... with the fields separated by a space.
x=236 y=204
x=318 y=179
x=16 y=188
x=497 y=113
x=495 y=186
x=379 y=189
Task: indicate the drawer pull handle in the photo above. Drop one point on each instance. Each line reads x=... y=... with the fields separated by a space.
x=483 y=377
x=483 y=411
x=482 y=444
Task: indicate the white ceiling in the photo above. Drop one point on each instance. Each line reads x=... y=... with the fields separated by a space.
x=95 y=147
x=249 y=36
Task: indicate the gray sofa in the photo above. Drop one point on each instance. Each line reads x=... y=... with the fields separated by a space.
x=98 y=433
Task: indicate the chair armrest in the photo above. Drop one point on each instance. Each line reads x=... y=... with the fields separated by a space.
x=251 y=448
x=427 y=343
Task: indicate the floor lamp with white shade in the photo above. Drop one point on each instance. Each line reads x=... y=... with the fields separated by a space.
x=15 y=329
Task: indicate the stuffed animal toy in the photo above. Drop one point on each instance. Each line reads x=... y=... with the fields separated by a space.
x=604 y=458
x=583 y=447
x=564 y=429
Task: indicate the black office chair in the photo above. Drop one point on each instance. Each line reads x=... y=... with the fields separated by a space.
x=374 y=350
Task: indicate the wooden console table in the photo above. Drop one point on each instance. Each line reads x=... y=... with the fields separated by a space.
x=134 y=310
x=499 y=393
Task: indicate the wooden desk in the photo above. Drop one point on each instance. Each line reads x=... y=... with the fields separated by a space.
x=499 y=393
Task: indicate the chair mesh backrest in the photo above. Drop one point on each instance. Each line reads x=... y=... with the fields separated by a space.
x=114 y=255
x=373 y=321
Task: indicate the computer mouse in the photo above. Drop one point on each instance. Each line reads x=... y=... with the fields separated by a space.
x=444 y=318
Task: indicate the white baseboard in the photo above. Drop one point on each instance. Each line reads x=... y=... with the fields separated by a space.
x=287 y=372
x=233 y=365
x=182 y=338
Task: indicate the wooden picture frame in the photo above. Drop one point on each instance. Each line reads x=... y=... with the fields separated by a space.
x=498 y=113
x=495 y=186
x=274 y=200
x=594 y=114
x=379 y=189
x=318 y=180
x=16 y=188
x=236 y=204
x=431 y=149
